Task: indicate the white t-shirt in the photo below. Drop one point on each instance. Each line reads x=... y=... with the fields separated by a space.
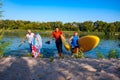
x=30 y=37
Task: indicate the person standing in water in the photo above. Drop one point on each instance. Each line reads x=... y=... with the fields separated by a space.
x=36 y=45
x=73 y=41
x=57 y=35
x=29 y=36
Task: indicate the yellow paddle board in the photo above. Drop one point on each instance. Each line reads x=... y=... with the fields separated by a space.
x=85 y=43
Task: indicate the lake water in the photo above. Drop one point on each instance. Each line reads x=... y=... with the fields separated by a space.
x=48 y=50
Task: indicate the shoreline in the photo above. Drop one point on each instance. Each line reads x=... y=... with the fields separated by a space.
x=27 y=68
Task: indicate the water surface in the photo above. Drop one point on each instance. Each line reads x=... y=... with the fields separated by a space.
x=48 y=50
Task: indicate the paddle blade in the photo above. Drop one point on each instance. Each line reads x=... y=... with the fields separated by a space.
x=67 y=47
x=47 y=42
x=20 y=45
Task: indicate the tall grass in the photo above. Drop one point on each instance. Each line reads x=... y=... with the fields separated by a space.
x=113 y=54
x=3 y=44
x=99 y=55
x=80 y=54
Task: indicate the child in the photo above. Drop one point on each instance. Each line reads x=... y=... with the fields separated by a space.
x=73 y=41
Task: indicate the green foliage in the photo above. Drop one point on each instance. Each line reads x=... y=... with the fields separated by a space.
x=117 y=24
x=111 y=27
x=51 y=59
x=100 y=55
x=113 y=54
x=89 y=26
x=3 y=44
x=41 y=55
x=29 y=55
x=80 y=55
x=1 y=34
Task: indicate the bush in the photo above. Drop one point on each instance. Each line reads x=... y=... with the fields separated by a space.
x=41 y=55
x=29 y=55
x=100 y=55
x=80 y=55
x=51 y=59
x=3 y=44
x=113 y=54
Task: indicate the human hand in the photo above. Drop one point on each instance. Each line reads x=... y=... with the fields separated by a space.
x=22 y=42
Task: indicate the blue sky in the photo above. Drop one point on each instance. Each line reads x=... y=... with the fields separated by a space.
x=62 y=10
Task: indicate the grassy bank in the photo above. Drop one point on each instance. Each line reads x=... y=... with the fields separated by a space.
x=48 y=32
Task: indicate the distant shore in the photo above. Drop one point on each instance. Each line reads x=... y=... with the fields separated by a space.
x=48 y=32
x=27 y=68
x=65 y=32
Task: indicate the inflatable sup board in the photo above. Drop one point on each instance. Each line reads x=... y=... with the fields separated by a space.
x=85 y=43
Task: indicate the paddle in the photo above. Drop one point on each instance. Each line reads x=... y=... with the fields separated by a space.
x=21 y=44
x=47 y=42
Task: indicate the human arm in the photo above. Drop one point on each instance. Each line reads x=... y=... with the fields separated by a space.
x=23 y=40
x=51 y=36
x=69 y=39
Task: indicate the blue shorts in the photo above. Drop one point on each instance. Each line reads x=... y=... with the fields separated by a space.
x=75 y=47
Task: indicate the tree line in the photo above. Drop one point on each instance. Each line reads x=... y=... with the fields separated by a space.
x=87 y=26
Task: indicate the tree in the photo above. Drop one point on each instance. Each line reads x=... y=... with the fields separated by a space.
x=67 y=26
x=88 y=26
x=100 y=26
x=111 y=27
x=117 y=25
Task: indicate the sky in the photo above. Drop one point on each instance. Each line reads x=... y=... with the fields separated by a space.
x=62 y=10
